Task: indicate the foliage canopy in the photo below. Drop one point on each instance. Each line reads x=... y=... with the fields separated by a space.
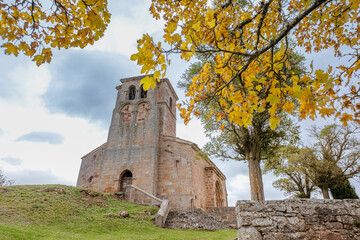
x=34 y=27
x=253 y=143
x=243 y=39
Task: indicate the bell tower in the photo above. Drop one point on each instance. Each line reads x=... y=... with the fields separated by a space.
x=142 y=150
x=140 y=119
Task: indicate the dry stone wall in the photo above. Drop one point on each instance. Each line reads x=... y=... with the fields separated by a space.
x=227 y=215
x=299 y=219
x=197 y=219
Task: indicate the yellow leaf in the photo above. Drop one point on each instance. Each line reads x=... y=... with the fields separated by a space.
x=10 y=49
x=148 y=82
x=274 y=122
x=171 y=27
x=134 y=57
x=209 y=18
x=272 y=99
x=39 y=59
x=260 y=109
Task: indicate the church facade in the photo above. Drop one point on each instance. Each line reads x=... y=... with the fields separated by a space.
x=142 y=150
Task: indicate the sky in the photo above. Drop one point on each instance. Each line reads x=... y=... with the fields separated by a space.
x=54 y=114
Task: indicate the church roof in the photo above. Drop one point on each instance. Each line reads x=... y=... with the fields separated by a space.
x=93 y=151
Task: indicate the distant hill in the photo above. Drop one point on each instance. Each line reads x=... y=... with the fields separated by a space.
x=64 y=212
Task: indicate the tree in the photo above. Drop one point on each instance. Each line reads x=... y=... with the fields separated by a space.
x=343 y=190
x=4 y=181
x=338 y=156
x=243 y=38
x=33 y=28
x=328 y=164
x=296 y=177
x=230 y=141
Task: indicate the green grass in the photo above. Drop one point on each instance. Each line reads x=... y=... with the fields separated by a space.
x=63 y=212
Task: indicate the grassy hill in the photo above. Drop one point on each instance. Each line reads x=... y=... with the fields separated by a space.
x=63 y=212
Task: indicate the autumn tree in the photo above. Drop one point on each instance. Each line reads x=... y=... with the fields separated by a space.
x=34 y=27
x=255 y=143
x=290 y=164
x=242 y=40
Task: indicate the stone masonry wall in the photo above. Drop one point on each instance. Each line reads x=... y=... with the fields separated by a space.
x=174 y=174
x=90 y=168
x=133 y=195
x=196 y=219
x=132 y=141
x=166 y=100
x=299 y=219
x=199 y=181
x=227 y=215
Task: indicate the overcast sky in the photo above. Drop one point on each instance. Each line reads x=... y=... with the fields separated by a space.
x=54 y=114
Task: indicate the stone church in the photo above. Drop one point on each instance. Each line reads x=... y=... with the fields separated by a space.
x=142 y=150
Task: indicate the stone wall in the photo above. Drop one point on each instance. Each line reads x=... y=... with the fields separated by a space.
x=90 y=168
x=227 y=215
x=197 y=219
x=136 y=196
x=299 y=219
x=182 y=176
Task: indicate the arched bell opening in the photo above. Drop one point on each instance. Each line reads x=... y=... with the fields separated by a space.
x=132 y=92
x=125 y=179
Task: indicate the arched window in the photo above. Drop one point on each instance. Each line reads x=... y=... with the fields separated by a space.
x=125 y=179
x=219 y=194
x=143 y=93
x=170 y=104
x=132 y=92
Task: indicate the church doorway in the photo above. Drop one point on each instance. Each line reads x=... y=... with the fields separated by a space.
x=125 y=179
x=218 y=194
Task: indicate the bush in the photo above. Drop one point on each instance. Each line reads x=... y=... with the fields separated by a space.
x=343 y=190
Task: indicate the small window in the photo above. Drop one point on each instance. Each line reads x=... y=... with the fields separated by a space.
x=170 y=104
x=177 y=163
x=143 y=93
x=91 y=178
x=132 y=92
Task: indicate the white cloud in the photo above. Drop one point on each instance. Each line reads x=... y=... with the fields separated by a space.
x=80 y=136
x=27 y=177
x=238 y=189
x=26 y=113
x=12 y=161
x=128 y=23
x=30 y=82
x=193 y=132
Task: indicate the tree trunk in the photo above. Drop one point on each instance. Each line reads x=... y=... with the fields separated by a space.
x=325 y=192
x=255 y=177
